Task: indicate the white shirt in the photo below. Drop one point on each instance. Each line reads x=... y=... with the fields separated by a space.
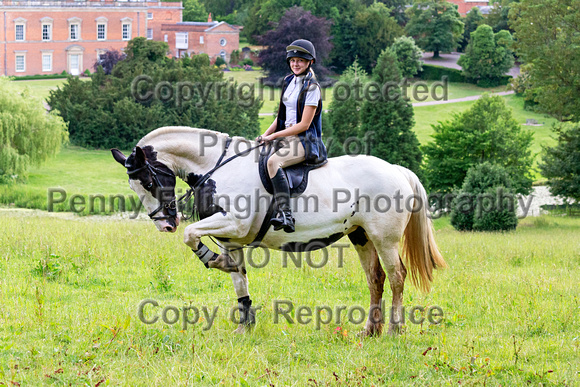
x=290 y=98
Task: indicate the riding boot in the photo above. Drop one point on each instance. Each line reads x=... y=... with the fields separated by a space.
x=283 y=218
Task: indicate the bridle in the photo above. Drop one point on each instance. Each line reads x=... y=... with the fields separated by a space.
x=169 y=207
x=172 y=206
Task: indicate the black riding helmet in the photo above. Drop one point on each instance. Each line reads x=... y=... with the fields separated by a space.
x=301 y=48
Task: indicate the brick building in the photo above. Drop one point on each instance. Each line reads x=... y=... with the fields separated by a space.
x=47 y=37
x=464 y=6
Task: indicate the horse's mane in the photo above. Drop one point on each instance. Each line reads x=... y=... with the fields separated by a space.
x=172 y=130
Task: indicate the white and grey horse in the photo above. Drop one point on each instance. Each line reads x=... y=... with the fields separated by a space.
x=377 y=204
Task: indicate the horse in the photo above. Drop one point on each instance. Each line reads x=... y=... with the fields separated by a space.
x=376 y=204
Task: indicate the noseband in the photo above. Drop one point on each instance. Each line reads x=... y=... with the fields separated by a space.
x=170 y=207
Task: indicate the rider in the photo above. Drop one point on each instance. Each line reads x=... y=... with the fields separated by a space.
x=299 y=124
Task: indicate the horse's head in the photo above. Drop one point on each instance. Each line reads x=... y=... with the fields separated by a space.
x=154 y=183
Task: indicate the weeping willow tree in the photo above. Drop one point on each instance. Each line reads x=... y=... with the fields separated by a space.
x=28 y=133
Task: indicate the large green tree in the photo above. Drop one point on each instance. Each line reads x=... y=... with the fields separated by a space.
x=389 y=118
x=409 y=56
x=547 y=35
x=195 y=11
x=435 y=25
x=344 y=111
x=561 y=163
x=488 y=56
x=485 y=132
x=28 y=134
x=473 y=20
x=148 y=90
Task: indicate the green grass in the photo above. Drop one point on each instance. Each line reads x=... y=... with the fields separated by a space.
x=41 y=88
x=70 y=289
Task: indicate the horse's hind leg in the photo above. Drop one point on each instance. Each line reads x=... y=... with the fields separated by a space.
x=369 y=260
x=397 y=273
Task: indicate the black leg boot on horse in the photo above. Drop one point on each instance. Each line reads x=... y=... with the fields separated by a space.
x=283 y=218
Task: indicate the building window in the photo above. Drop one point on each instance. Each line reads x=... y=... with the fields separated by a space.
x=150 y=33
x=20 y=63
x=74 y=32
x=181 y=40
x=149 y=15
x=101 y=31
x=165 y=38
x=19 y=33
x=223 y=42
x=46 y=62
x=126 y=31
x=201 y=39
x=46 y=32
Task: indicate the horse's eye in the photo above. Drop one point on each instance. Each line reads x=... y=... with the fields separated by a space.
x=149 y=186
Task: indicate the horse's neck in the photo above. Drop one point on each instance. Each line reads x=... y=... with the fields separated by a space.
x=187 y=152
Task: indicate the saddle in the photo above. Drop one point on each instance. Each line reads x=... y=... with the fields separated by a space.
x=297 y=174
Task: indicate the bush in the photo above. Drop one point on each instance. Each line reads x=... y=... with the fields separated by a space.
x=436 y=73
x=486 y=201
x=219 y=61
x=247 y=61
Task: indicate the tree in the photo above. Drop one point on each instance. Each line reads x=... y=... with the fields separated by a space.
x=498 y=18
x=374 y=29
x=436 y=25
x=344 y=111
x=547 y=35
x=485 y=132
x=409 y=56
x=388 y=119
x=486 y=201
x=360 y=33
x=561 y=163
x=195 y=11
x=295 y=24
x=487 y=56
x=28 y=135
x=148 y=90
x=473 y=20
x=108 y=60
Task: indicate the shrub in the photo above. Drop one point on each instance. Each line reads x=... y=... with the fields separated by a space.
x=486 y=201
x=219 y=61
x=247 y=61
x=436 y=73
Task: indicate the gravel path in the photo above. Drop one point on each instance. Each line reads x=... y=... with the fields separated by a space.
x=450 y=60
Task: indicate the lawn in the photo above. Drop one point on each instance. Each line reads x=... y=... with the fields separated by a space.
x=70 y=291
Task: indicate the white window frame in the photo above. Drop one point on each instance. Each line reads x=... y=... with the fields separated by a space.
x=102 y=21
x=201 y=39
x=104 y=37
x=126 y=35
x=149 y=33
x=23 y=25
x=48 y=23
x=49 y=55
x=77 y=31
x=149 y=15
x=224 y=42
x=23 y=56
x=165 y=38
x=49 y=32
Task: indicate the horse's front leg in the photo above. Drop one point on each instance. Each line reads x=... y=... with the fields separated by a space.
x=219 y=226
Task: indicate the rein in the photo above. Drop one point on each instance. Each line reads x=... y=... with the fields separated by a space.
x=184 y=199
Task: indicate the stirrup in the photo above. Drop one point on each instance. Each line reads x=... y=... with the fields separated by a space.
x=283 y=220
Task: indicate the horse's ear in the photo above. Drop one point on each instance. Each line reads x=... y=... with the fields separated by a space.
x=140 y=157
x=119 y=156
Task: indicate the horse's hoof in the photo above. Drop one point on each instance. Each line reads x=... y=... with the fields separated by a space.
x=395 y=329
x=243 y=328
x=371 y=331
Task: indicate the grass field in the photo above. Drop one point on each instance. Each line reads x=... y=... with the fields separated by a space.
x=70 y=290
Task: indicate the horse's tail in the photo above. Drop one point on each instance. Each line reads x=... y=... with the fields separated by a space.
x=419 y=247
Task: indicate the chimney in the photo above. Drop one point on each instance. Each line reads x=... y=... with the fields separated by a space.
x=209 y=18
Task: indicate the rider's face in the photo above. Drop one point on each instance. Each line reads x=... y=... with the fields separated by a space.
x=298 y=65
